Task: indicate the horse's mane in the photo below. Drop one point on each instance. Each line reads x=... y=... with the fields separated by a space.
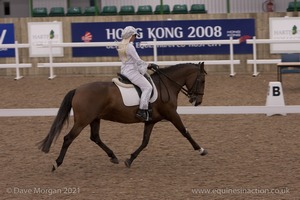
x=174 y=68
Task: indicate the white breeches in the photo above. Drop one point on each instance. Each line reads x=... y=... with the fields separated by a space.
x=146 y=87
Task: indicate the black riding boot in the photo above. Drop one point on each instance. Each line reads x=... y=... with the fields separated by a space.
x=143 y=115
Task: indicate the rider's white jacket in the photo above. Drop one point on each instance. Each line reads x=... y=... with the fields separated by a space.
x=133 y=64
x=133 y=67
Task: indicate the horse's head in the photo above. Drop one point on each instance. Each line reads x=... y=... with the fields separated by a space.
x=195 y=85
x=186 y=78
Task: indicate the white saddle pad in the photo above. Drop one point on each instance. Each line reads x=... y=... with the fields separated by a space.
x=129 y=94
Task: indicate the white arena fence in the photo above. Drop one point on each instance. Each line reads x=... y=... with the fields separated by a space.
x=256 y=61
x=156 y=44
x=183 y=110
x=17 y=65
x=229 y=42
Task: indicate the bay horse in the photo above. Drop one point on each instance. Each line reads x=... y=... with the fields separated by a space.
x=94 y=101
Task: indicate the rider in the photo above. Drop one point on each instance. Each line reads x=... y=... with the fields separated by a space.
x=134 y=68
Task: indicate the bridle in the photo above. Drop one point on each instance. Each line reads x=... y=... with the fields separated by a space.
x=193 y=91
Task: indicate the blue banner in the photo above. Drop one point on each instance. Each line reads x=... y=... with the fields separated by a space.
x=7 y=36
x=166 y=31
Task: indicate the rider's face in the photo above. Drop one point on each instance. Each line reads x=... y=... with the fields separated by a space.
x=132 y=38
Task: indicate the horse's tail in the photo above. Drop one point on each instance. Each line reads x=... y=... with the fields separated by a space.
x=58 y=123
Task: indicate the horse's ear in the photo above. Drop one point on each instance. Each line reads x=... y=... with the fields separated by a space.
x=201 y=66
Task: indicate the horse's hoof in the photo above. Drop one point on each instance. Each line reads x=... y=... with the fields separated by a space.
x=128 y=163
x=54 y=167
x=203 y=152
x=114 y=160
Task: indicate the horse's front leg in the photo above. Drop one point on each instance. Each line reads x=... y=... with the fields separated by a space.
x=147 y=132
x=175 y=119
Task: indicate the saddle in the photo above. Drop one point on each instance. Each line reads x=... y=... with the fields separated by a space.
x=123 y=81
x=131 y=93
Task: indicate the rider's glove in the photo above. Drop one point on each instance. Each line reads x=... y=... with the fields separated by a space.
x=153 y=66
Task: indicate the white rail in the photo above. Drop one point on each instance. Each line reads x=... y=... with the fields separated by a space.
x=155 y=44
x=191 y=110
x=256 y=61
x=78 y=44
x=16 y=65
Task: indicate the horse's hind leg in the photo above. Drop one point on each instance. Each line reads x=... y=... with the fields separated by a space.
x=176 y=121
x=147 y=132
x=68 y=139
x=95 y=126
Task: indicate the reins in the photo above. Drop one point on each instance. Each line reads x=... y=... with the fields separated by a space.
x=182 y=89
